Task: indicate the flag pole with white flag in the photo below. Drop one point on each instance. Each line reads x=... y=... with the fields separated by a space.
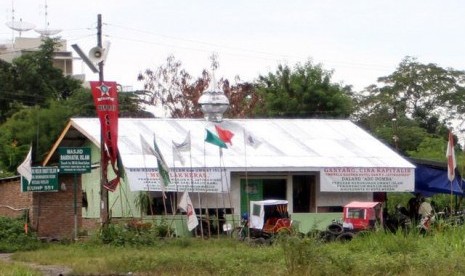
x=25 y=169
x=451 y=164
x=181 y=147
x=252 y=141
x=186 y=205
x=450 y=154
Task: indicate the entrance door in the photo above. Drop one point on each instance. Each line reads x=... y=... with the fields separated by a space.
x=253 y=191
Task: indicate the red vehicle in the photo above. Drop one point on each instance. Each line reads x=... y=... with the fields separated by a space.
x=359 y=216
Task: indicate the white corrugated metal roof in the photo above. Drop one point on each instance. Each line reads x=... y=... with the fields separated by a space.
x=287 y=144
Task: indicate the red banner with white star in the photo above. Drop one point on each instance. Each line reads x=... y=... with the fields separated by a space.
x=106 y=103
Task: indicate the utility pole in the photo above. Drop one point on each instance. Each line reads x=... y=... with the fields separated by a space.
x=104 y=213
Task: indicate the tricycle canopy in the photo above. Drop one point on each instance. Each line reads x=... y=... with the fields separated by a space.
x=262 y=210
x=360 y=215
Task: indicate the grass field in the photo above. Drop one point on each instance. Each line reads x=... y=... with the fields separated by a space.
x=378 y=253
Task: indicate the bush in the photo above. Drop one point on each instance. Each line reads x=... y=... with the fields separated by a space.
x=134 y=233
x=13 y=236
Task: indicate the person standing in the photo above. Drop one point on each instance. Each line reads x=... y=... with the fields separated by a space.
x=413 y=206
x=425 y=211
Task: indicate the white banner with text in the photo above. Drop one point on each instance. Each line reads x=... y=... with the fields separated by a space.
x=381 y=179
x=203 y=180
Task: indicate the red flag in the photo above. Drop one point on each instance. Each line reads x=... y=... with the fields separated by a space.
x=106 y=103
x=450 y=154
x=224 y=134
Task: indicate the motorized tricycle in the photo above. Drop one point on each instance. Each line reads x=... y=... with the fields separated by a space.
x=267 y=218
x=357 y=217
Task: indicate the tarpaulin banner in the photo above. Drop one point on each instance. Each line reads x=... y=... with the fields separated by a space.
x=106 y=103
x=371 y=179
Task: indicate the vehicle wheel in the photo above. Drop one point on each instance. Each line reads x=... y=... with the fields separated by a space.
x=284 y=231
x=260 y=241
x=347 y=236
x=335 y=229
x=238 y=234
x=327 y=236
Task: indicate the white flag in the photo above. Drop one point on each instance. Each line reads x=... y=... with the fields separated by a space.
x=179 y=147
x=186 y=205
x=251 y=140
x=184 y=146
x=177 y=156
x=25 y=168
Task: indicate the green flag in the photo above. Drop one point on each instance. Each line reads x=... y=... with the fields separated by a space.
x=215 y=140
x=162 y=166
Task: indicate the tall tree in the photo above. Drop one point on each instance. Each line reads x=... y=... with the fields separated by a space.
x=304 y=91
x=424 y=95
x=32 y=80
x=36 y=80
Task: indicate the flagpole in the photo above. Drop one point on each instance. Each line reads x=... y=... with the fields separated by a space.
x=246 y=185
x=143 y=141
x=207 y=215
x=192 y=187
x=217 y=208
x=222 y=192
x=172 y=197
x=229 y=198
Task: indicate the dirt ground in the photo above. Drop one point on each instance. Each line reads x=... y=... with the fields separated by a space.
x=47 y=270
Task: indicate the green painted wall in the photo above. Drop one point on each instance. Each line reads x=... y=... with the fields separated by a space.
x=121 y=202
x=310 y=221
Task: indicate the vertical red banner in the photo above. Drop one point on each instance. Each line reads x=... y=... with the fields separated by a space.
x=106 y=103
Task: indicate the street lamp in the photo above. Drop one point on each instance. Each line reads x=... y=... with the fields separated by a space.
x=213 y=105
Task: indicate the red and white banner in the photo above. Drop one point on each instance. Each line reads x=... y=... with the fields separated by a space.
x=450 y=154
x=186 y=205
x=106 y=103
x=377 y=179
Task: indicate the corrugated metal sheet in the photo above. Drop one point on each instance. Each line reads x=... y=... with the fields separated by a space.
x=287 y=144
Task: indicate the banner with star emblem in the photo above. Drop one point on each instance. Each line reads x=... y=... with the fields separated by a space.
x=106 y=103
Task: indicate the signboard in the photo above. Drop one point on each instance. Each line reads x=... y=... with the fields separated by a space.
x=44 y=179
x=203 y=180
x=378 y=179
x=74 y=160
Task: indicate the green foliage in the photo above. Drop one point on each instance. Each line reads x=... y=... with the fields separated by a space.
x=304 y=91
x=300 y=253
x=15 y=269
x=379 y=253
x=13 y=237
x=40 y=127
x=36 y=80
x=416 y=102
x=134 y=233
x=31 y=127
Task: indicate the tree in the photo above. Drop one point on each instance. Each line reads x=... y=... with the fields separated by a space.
x=174 y=90
x=305 y=91
x=32 y=80
x=36 y=80
x=425 y=96
x=41 y=127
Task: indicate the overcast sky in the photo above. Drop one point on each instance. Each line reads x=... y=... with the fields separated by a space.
x=359 y=40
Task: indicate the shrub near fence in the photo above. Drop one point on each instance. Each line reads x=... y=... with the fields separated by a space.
x=13 y=236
